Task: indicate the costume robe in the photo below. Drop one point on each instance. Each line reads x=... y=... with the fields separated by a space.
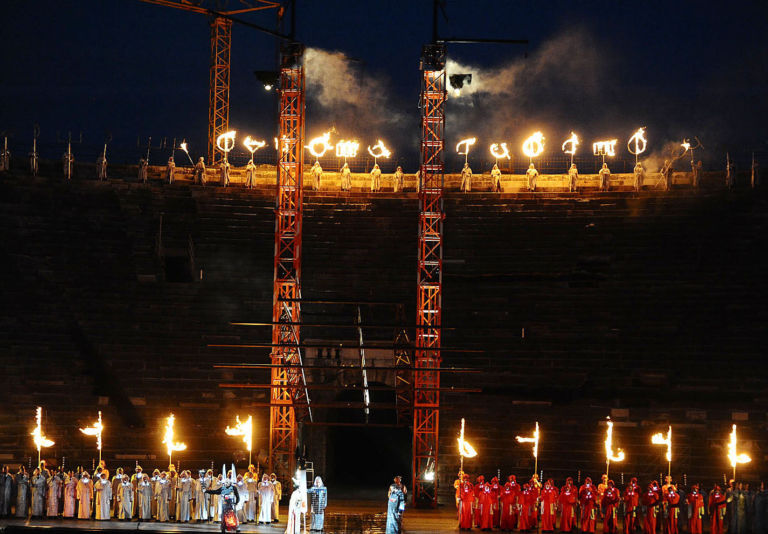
x=240 y=509
x=22 y=490
x=38 y=487
x=509 y=510
x=466 y=502
x=395 y=509
x=6 y=492
x=527 y=505
x=549 y=496
x=70 y=496
x=144 y=500
x=318 y=496
x=202 y=499
x=252 y=507
x=183 y=497
x=53 y=497
x=696 y=511
x=163 y=497
x=103 y=491
x=276 y=500
x=610 y=502
x=589 y=511
x=495 y=510
x=84 y=498
x=266 y=496
x=296 y=507
x=485 y=504
x=215 y=512
x=568 y=501
x=650 y=500
x=125 y=500
x=631 y=502
x=717 y=509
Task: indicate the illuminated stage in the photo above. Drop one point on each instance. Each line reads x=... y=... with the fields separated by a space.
x=341 y=517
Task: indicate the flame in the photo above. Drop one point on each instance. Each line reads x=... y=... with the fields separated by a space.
x=468 y=142
x=323 y=141
x=732 y=455
x=183 y=146
x=244 y=429
x=533 y=439
x=640 y=142
x=498 y=154
x=285 y=144
x=171 y=445
x=686 y=145
x=465 y=449
x=347 y=149
x=383 y=152
x=37 y=434
x=609 y=455
x=95 y=430
x=660 y=439
x=604 y=148
x=573 y=141
x=253 y=145
x=534 y=145
x=226 y=141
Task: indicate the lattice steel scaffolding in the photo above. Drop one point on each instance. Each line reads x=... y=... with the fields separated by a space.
x=427 y=359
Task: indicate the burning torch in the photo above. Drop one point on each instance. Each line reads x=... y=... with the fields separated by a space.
x=661 y=439
x=465 y=449
x=244 y=429
x=170 y=444
x=95 y=430
x=41 y=441
x=535 y=440
x=609 y=454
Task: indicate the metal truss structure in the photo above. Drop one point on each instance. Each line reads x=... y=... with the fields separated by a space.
x=289 y=399
x=427 y=358
x=218 y=96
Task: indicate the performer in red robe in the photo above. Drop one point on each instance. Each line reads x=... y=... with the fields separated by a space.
x=610 y=502
x=717 y=506
x=568 y=500
x=672 y=501
x=650 y=500
x=478 y=490
x=485 y=502
x=466 y=502
x=589 y=504
x=631 y=502
x=549 y=497
x=527 y=502
x=509 y=496
x=696 y=510
x=495 y=510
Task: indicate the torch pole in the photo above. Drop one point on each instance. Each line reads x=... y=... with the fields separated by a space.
x=607 y=466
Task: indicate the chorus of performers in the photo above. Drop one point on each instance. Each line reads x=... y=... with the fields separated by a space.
x=586 y=507
x=143 y=496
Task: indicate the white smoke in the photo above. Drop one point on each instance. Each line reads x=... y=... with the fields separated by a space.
x=340 y=92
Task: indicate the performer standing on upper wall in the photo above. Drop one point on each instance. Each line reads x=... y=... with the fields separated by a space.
x=395 y=506
x=466 y=178
x=397 y=184
x=171 y=169
x=573 y=175
x=375 y=178
x=250 y=174
x=496 y=177
x=605 y=177
x=101 y=167
x=531 y=174
x=316 y=172
x=639 y=175
x=200 y=171
x=346 y=177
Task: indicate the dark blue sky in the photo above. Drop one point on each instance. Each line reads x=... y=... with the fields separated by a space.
x=680 y=68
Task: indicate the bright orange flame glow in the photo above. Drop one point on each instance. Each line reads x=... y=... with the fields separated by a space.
x=733 y=456
x=171 y=445
x=465 y=449
x=534 y=145
x=499 y=151
x=661 y=439
x=37 y=434
x=533 y=439
x=95 y=430
x=573 y=142
x=609 y=454
x=244 y=429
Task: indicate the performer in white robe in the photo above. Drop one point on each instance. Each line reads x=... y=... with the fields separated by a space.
x=38 y=486
x=70 y=495
x=84 y=496
x=183 y=496
x=144 y=499
x=162 y=496
x=242 y=490
x=202 y=499
x=215 y=513
x=125 y=499
x=54 y=495
x=266 y=496
x=252 y=485
x=296 y=508
x=278 y=495
x=22 y=492
x=154 y=481
x=116 y=481
x=103 y=490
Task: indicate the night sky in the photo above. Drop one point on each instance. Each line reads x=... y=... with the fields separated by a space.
x=602 y=68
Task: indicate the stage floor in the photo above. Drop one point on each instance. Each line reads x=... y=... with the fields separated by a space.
x=341 y=517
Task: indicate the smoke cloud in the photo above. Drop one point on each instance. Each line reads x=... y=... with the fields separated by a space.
x=340 y=92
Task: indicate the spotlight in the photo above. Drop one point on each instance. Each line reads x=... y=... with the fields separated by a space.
x=268 y=78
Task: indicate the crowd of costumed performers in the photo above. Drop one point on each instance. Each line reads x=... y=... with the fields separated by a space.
x=669 y=508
